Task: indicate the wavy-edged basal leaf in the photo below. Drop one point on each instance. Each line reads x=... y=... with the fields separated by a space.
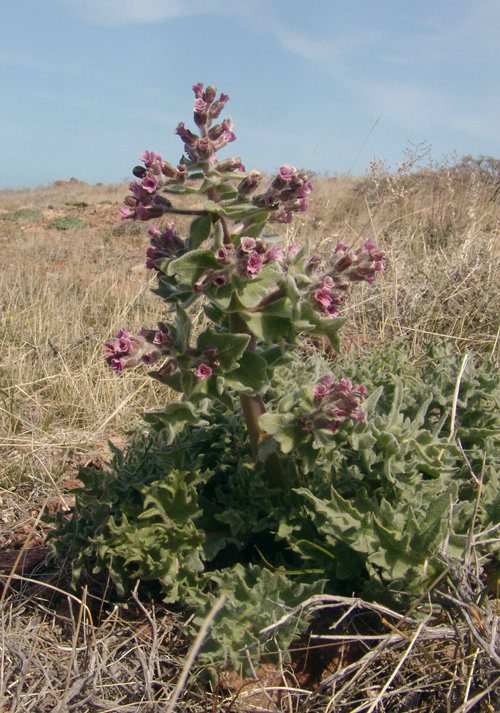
x=174 y=416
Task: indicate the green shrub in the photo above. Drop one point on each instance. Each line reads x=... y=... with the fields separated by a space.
x=382 y=506
x=23 y=214
x=68 y=222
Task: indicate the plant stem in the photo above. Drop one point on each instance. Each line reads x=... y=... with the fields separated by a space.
x=253 y=407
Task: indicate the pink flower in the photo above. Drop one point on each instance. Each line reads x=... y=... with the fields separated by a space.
x=150 y=157
x=320 y=391
x=341 y=247
x=247 y=244
x=137 y=190
x=123 y=333
x=199 y=105
x=345 y=385
x=286 y=172
x=161 y=338
x=141 y=212
x=126 y=213
x=332 y=311
x=274 y=253
x=220 y=279
x=254 y=264
x=221 y=255
x=362 y=390
x=198 y=90
x=293 y=249
x=203 y=371
x=117 y=364
x=323 y=296
x=149 y=183
x=122 y=345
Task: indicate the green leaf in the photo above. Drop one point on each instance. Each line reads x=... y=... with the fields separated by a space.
x=251 y=375
x=183 y=329
x=251 y=292
x=320 y=327
x=180 y=188
x=199 y=231
x=173 y=381
x=215 y=208
x=270 y=327
x=214 y=313
x=173 y=417
x=229 y=346
x=256 y=227
x=192 y=265
x=226 y=191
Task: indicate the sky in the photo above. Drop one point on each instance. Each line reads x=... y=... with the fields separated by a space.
x=324 y=85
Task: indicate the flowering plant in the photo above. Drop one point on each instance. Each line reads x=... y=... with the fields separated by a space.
x=293 y=492
x=259 y=295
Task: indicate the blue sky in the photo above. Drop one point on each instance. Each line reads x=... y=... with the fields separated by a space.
x=87 y=85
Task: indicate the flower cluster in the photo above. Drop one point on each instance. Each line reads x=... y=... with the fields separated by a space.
x=346 y=266
x=207 y=363
x=163 y=244
x=246 y=260
x=128 y=349
x=333 y=403
x=145 y=203
x=287 y=193
x=212 y=138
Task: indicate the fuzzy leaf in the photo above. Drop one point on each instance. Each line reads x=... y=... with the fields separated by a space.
x=192 y=265
x=251 y=374
x=229 y=346
x=199 y=230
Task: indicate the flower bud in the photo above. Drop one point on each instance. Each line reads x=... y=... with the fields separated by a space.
x=200 y=119
x=215 y=131
x=182 y=173
x=230 y=164
x=168 y=368
x=249 y=183
x=187 y=136
x=168 y=170
x=210 y=93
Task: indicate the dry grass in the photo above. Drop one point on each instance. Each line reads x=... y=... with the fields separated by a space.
x=64 y=293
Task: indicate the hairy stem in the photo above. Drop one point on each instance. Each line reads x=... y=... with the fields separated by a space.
x=253 y=407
